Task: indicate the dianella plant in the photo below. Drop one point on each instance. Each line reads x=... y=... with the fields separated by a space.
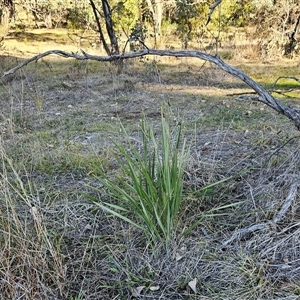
x=147 y=191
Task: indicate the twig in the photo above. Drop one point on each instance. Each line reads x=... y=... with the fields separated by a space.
x=287 y=203
x=241 y=94
x=264 y=226
x=286 y=77
x=242 y=97
x=284 y=93
x=279 y=148
x=242 y=232
x=248 y=98
x=136 y=39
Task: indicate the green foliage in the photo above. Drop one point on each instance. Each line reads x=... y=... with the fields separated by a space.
x=77 y=18
x=138 y=33
x=190 y=18
x=150 y=186
x=125 y=15
x=235 y=13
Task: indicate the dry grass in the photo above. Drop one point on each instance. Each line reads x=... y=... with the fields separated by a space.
x=56 y=118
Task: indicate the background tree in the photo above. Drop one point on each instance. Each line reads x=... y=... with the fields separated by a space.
x=277 y=26
x=275 y=23
x=156 y=8
x=126 y=15
x=107 y=15
x=7 y=12
x=236 y=13
x=189 y=16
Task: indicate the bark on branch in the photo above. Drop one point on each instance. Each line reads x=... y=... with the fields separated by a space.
x=101 y=35
x=211 y=10
x=263 y=96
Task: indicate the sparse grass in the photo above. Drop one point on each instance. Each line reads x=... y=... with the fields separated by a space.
x=27 y=247
x=56 y=244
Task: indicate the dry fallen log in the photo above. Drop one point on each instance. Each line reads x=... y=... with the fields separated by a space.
x=263 y=96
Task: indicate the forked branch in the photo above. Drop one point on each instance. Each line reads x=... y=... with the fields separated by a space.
x=263 y=96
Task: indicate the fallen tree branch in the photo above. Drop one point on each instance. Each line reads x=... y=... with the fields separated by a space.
x=285 y=93
x=241 y=95
x=280 y=92
x=285 y=77
x=291 y=112
x=264 y=226
x=245 y=231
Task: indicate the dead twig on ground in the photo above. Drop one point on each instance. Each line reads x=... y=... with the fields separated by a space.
x=281 y=77
x=264 y=226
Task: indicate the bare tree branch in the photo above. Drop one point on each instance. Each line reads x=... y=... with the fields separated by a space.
x=286 y=77
x=291 y=112
x=110 y=28
x=211 y=10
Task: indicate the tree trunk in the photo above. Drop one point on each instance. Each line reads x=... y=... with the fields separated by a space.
x=48 y=20
x=5 y=17
x=7 y=12
x=110 y=28
x=158 y=20
x=157 y=14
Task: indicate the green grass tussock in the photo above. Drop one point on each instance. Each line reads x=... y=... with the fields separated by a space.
x=152 y=180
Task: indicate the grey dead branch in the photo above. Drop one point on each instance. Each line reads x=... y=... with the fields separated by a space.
x=264 y=96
